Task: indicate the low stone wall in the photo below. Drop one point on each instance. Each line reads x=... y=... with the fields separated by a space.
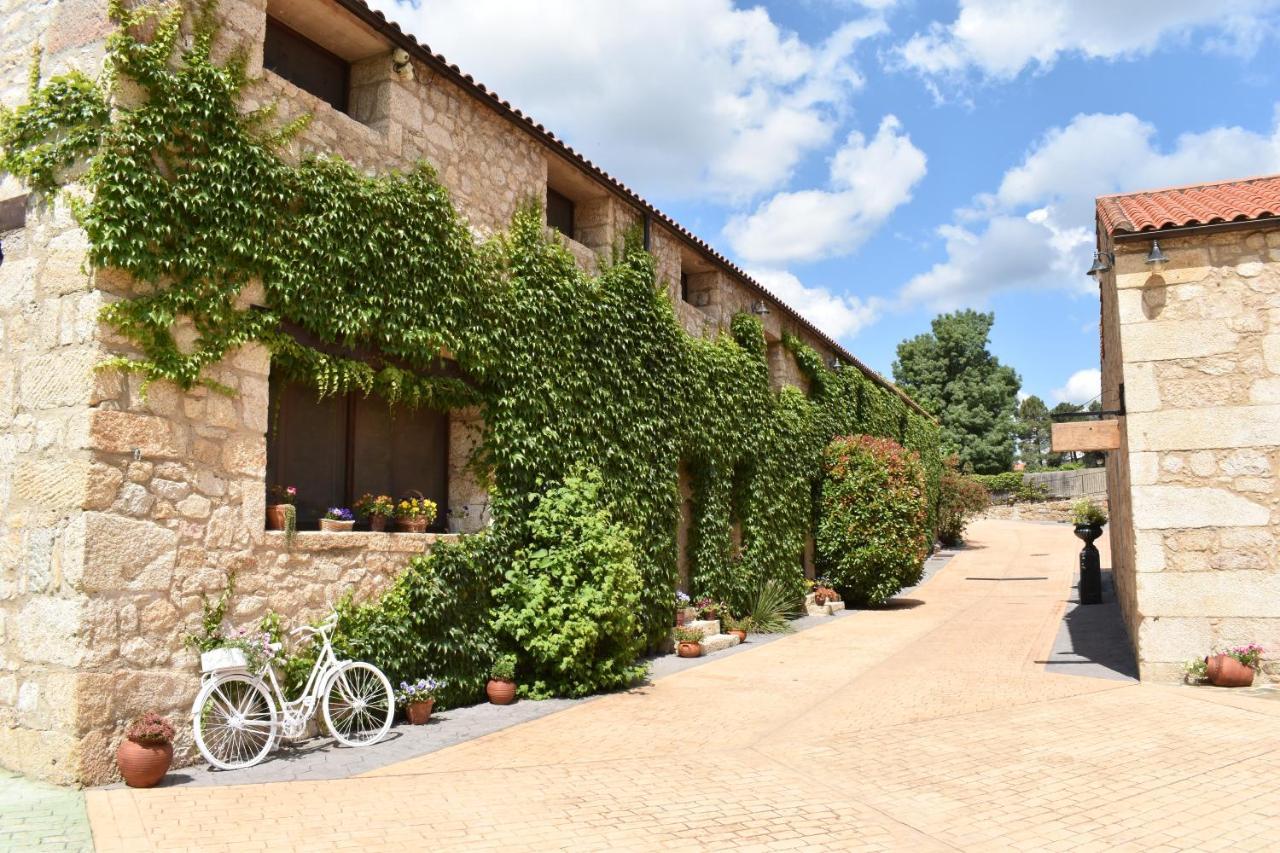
x=1059 y=511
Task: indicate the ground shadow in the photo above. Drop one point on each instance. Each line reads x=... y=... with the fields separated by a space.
x=1092 y=639
x=896 y=604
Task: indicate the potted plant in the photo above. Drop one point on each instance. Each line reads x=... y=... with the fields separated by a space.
x=682 y=607
x=414 y=513
x=281 y=512
x=146 y=752
x=337 y=518
x=738 y=627
x=1234 y=667
x=501 y=687
x=688 y=642
x=1088 y=518
x=418 y=699
x=375 y=509
x=823 y=593
x=708 y=608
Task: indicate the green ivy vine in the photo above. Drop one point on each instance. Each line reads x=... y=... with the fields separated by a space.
x=195 y=200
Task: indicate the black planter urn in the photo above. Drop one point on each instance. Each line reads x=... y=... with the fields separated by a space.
x=1090 y=564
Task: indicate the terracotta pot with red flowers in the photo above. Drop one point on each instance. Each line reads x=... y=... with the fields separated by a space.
x=737 y=627
x=282 y=514
x=688 y=642
x=146 y=752
x=501 y=687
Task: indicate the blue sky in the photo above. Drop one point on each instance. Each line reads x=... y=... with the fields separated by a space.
x=876 y=162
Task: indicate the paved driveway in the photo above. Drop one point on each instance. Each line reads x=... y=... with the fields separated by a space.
x=930 y=725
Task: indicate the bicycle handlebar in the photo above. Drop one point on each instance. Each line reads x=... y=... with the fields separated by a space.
x=324 y=627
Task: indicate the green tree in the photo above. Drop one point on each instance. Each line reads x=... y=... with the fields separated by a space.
x=951 y=373
x=1033 y=430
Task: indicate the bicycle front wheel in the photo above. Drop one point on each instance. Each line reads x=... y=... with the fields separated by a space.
x=234 y=721
x=358 y=704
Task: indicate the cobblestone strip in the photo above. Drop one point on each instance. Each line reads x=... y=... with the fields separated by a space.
x=37 y=816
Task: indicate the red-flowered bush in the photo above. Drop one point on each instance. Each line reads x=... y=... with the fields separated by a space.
x=873 y=531
x=151 y=728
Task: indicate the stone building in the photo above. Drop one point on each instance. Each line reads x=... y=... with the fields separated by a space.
x=1191 y=361
x=119 y=511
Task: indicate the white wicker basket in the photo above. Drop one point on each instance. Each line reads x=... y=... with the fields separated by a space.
x=222 y=659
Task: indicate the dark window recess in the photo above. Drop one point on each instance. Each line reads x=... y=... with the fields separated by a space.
x=684 y=288
x=560 y=213
x=306 y=64
x=338 y=448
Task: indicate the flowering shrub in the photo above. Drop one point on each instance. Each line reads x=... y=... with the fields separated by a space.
x=873 y=529
x=410 y=508
x=422 y=690
x=682 y=600
x=369 y=506
x=150 y=728
x=339 y=513
x=959 y=499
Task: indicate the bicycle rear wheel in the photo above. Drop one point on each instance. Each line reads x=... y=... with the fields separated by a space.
x=358 y=704
x=234 y=721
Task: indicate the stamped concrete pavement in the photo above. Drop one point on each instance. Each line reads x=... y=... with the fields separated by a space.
x=931 y=724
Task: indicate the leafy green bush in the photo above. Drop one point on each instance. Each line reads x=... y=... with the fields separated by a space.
x=960 y=499
x=1011 y=487
x=872 y=534
x=571 y=601
x=433 y=620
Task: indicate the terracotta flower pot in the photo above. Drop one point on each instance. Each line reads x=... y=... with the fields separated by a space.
x=680 y=617
x=1226 y=671
x=740 y=634
x=419 y=712
x=411 y=525
x=378 y=523
x=276 y=515
x=500 y=691
x=334 y=526
x=143 y=765
x=689 y=650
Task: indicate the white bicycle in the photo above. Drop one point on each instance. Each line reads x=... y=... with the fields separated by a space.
x=238 y=715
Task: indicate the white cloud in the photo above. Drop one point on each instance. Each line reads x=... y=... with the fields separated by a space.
x=1035 y=231
x=840 y=316
x=673 y=96
x=1082 y=386
x=869 y=179
x=998 y=39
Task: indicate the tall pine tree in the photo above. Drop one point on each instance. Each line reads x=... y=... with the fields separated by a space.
x=950 y=372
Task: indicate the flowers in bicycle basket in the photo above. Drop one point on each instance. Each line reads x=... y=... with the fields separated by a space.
x=256 y=646
x=422 y=690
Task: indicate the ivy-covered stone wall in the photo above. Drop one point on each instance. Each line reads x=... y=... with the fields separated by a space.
x=574 y=350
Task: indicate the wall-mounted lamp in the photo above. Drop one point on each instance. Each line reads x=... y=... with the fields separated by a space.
x=759 y=308
x=401 y=65
x=1102 y=262
x=837 y=365
x=1156 y=257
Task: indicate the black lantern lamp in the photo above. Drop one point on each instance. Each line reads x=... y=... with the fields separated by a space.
x=1102 y=262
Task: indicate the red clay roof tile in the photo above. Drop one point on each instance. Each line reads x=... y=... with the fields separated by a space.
x=1200 y=204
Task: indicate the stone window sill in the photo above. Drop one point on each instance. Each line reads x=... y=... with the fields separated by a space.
x=320 y=540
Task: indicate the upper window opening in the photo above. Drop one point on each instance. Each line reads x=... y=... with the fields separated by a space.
x=560 y=212
x=306 y=64
x=684 y=288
